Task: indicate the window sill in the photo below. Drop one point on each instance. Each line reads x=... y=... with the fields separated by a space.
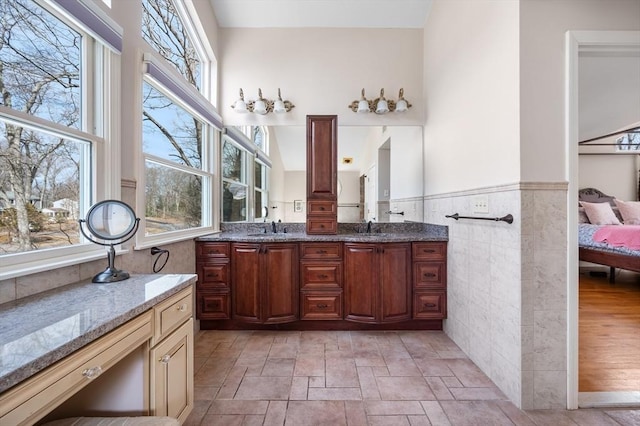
x=49 y=263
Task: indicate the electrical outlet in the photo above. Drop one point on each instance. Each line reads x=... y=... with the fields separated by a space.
x=480 y=204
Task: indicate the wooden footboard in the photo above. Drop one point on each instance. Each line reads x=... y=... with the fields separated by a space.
x=613 y=260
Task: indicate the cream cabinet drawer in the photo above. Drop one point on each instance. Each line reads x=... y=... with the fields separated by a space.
x=171 y=313
x=35 y=397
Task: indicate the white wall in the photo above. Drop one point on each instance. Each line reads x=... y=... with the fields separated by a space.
x=615 y=175
x=609 y=100
x=471 y=95
x=406 y=162
x=295 y=188
x=609 y=88
x=494 y=96
x=321 y=71
x=543 y=25
x=349 y=197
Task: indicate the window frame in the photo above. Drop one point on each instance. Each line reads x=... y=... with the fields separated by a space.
x=100 y=94
x=157 y=72
x=242 y=138
x=247 y=182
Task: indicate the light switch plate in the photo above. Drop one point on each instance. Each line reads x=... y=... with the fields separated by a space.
x=480 y=204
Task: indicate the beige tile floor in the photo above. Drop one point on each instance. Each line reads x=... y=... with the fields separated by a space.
x=356 y=378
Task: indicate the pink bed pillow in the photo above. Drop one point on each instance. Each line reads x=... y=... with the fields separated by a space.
x=600 y=213
x=630 y=211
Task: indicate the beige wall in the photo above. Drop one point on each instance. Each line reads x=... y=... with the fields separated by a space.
x=321 y=71
x=494 y=104
x=471 y=95
x=543 y=25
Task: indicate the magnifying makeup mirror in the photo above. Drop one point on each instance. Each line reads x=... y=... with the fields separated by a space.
x=114 y=222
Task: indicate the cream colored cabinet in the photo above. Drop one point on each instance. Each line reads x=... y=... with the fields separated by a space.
x=34 y=398
x=171 y=358
x=143 y=367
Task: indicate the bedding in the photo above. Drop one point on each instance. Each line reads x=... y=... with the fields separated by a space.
x=600 y=213
x=600 y=252
x=630 y=211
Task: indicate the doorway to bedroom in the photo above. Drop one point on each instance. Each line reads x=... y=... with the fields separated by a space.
x=605 y=354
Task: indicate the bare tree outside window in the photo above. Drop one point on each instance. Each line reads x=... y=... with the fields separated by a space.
x=172 y=137
x=40 y=67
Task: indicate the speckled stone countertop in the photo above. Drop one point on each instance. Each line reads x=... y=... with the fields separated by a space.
x=39 y=330
x=347 y=232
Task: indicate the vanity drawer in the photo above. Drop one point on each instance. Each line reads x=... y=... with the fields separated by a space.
x=213 y=306
x=327 y=251
x=321 y=208
x=171 y=313
x=321 y=305
x=213 y=275
x=321 y=275
x=430 y=251
x=429 y=305
x=429 y=274
x=31 y=400
x=319 y=225
x=212 y=249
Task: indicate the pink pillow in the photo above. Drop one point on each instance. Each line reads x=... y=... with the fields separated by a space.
x=630 y=211
x=600 y=213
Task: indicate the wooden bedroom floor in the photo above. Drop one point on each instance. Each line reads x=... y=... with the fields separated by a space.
x=609 y=333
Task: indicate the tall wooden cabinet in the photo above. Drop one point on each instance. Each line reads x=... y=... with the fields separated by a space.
x=265 y=282
x=377 y=282
x=322 y=174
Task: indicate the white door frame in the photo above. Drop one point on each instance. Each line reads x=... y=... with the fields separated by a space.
x=576 y=42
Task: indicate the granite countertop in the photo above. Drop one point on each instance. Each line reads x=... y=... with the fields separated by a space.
x=39 y=330
x=349 y=232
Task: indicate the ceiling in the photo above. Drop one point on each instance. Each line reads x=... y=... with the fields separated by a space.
x=321 y=13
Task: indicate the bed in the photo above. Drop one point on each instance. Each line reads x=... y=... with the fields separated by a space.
x=602 y=253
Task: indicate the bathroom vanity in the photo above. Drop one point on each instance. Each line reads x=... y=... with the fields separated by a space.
x=293 y=280
x=123 y=348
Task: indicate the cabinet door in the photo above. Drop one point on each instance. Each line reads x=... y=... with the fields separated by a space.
x=171 y=383
x=395 y=282
x=245 y=282
x=361 y=282
x=322 y=156
x=279 y=289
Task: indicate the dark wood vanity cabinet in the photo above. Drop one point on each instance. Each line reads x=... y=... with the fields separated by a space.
x=322 y=174
x=242 y=284
x=264 y=282
x=377 y=280
x=429 y=280
x=213 y=297
x=321 y=281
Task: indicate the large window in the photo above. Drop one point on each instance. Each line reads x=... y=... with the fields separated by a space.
x=178 y=127
x=245 y=174
x=164 y=30
x=235 y=201
x=48 y=148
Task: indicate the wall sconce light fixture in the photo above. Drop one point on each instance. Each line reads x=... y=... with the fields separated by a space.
x=380 y=105
x=261 y=105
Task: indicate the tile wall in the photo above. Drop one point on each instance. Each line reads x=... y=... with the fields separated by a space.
x=507 y=289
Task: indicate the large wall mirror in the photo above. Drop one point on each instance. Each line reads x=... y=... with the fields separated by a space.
x=380 y=175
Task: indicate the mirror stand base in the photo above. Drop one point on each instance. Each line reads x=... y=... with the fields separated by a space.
x=110 y=275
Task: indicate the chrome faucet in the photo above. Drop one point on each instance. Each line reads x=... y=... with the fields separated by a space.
x=273 y=227
x=369 y=227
